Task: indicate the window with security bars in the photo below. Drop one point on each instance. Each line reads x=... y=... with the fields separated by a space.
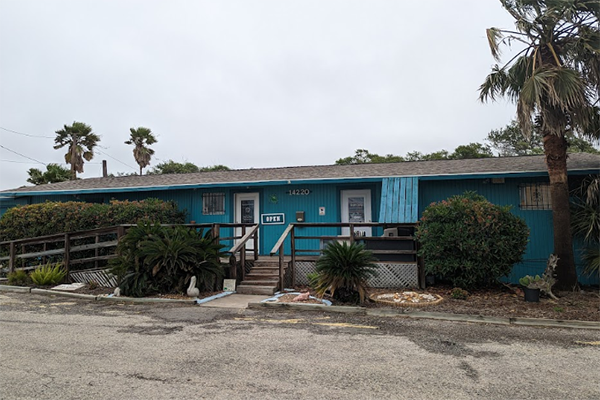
x=535 y=196
x=213 y=203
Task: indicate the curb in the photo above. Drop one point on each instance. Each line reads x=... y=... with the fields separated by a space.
x=144 y=300
x=20 y=289
x=63 y=294
x=481 y=319
x=49 y=292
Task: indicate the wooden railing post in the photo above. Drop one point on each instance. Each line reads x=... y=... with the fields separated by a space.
x=120 y=232
x=44 y=259
x=96 y=251
x=13 y=255
x=293 y=253
x=255 y=238
x=233 y=266
x=216 y=231
x=281 y=268
x=67 y=256
x=243 y=261
x=351 y=233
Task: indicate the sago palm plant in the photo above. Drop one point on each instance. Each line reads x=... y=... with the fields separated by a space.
x=344 y=270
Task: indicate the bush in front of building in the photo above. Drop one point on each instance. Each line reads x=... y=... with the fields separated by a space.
x=158 y=259
x=344 y=270
x=57 y=217
x=469 y=241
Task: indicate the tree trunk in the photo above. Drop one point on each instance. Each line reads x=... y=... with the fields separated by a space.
x=555 y=148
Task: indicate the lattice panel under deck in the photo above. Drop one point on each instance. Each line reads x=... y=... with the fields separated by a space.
x=389 y=275
x=102 y=277
x=395 y=275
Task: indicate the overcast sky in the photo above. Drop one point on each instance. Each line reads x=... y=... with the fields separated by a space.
x=244 y=83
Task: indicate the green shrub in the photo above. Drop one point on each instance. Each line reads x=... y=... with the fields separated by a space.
x=585 y=222
x=56 y=217
x=49 y=274
x=313 y=280
x=470 y=241
x=19 y=278
x=344 y=270
x=531 y=282
x=152 y=258
x=459 y=294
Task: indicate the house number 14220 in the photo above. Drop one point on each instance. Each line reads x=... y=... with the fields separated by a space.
x=299 y=192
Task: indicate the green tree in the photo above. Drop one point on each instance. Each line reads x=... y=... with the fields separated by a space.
x=471 y=150
x=80 y=142
x=54 y=173
x=141 y=138
x=418 y=156
x=555 y=81
x=510 y=141
x=363 y=156
x=172 y=167
x=214 y=168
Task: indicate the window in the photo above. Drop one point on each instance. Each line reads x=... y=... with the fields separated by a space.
x=213 y=203
x=535 y=196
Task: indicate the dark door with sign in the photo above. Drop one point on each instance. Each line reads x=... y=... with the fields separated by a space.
x=247 y=211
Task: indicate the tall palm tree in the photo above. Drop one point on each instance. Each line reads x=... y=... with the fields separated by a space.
x=555 y=82
x=80 y=141
x=141 y=138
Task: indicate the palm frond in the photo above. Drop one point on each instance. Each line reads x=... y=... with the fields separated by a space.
x=494 y=36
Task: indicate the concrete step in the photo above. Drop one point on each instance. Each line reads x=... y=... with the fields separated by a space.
x=263 y=282
x=252 y=277
x=274 y=269
x=251 y=289
x=262 y=273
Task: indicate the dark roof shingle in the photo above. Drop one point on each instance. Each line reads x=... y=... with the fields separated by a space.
x=496 y=165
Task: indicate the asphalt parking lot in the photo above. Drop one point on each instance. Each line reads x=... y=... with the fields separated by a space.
x=60 y=348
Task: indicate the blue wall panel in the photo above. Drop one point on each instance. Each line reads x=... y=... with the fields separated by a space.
x=399 y=200
x=541 y=241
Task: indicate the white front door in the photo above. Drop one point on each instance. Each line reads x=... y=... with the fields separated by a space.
x=356 y=207
x=247 y=211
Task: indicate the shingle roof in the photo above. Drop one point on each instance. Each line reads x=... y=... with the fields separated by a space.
x=496 y=165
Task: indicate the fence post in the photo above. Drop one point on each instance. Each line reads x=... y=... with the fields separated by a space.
x=120 y=232
x=281 y=268
x=216 y=231
x=233 y=267
x=255 y=238
x=67 y=256
x=13 y=254
x=96 y=251
x=293 y=261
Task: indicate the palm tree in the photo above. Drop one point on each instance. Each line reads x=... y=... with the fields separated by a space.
x=555 y=82
x=80 y=141
x=141 y=138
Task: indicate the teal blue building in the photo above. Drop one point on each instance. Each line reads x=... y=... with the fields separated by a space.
x=386 y=193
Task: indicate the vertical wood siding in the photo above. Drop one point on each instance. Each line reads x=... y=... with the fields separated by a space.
x=399 y=200
x=541 y=239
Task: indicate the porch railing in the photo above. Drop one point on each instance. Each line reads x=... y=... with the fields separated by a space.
x=295 y=252
x=105 y=241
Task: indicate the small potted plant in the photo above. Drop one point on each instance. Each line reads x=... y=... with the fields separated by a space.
x=531 y=287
